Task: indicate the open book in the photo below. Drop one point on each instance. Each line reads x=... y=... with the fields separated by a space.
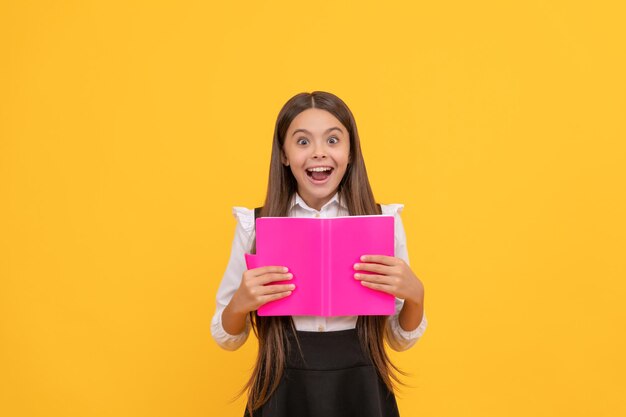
x=321 y=253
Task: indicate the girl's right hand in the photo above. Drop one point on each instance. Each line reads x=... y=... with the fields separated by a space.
x=253 y=291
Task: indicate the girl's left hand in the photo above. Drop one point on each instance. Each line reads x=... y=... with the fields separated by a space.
x=391 y=275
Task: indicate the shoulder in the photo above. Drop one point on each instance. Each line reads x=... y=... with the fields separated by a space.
x=393 y=209
x=245 y=217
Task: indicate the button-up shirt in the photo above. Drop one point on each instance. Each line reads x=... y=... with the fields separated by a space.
x=398 y=338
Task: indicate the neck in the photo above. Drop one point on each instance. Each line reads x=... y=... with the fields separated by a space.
x=315 y=203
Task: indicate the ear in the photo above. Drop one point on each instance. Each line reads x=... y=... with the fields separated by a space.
x=283 y=158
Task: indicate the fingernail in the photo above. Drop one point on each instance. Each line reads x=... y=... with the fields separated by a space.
x=356 y=266
x=285 y=269
x=290 y=275
x=357 y=276
x=364 y=258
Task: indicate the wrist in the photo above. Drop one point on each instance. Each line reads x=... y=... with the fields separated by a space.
x=414 y=303
x=416 y=296
x=236 y=308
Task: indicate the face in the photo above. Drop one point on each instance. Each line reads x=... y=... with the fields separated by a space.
x=316 y=139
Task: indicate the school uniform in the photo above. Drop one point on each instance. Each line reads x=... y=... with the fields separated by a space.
x=335 y=378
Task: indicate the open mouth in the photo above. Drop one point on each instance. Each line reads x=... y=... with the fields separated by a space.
x=319 y=175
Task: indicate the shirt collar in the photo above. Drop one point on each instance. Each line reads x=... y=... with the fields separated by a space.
x=296 y=199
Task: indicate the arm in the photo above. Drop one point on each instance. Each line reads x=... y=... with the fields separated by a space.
x=229 y=335
x=395 y=276
x=244 y=290
x=234 y=321
x=411 y=315
x=397 y=337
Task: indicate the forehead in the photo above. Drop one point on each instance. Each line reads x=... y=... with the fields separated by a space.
x=315 y=121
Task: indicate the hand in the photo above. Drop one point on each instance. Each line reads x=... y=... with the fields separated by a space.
x=253 y=291
x=391 y=275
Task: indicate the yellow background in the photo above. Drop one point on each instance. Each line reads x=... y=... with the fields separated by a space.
x=128 y=130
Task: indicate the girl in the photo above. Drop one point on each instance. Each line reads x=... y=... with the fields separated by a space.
x=318 y=366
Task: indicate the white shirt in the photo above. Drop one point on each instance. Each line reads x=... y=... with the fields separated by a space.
x=397 y=338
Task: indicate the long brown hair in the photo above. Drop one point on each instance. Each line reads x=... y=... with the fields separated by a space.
x=355 y=191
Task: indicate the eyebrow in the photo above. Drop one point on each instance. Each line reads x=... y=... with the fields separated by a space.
x=306 y=131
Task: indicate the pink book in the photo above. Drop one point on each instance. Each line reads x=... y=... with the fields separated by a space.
x=321 y=253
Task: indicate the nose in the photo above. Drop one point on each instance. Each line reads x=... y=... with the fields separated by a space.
x=319 y=152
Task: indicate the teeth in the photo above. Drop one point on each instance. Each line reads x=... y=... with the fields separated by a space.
x=320 y=169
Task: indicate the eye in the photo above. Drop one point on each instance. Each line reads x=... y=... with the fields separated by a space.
x=333 y=137
x=300 y=140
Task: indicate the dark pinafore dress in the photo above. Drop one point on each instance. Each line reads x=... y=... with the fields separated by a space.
x=329 y=376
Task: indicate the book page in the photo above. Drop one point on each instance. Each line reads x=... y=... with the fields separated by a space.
x=352 y=237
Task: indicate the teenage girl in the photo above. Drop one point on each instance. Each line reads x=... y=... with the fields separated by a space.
x=306 y=365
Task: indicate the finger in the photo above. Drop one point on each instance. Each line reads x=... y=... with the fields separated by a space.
x=380 y=269
x=381 y=279
x=272 y=277
x=273 y=289
x=379 y=287
x=380 y=259
x=269 y=269
x=272 y=297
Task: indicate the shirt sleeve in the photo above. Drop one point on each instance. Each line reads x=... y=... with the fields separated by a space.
x=398 y=338
x=242 y=241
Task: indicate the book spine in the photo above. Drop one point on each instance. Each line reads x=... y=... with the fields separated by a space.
x=327 y=251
